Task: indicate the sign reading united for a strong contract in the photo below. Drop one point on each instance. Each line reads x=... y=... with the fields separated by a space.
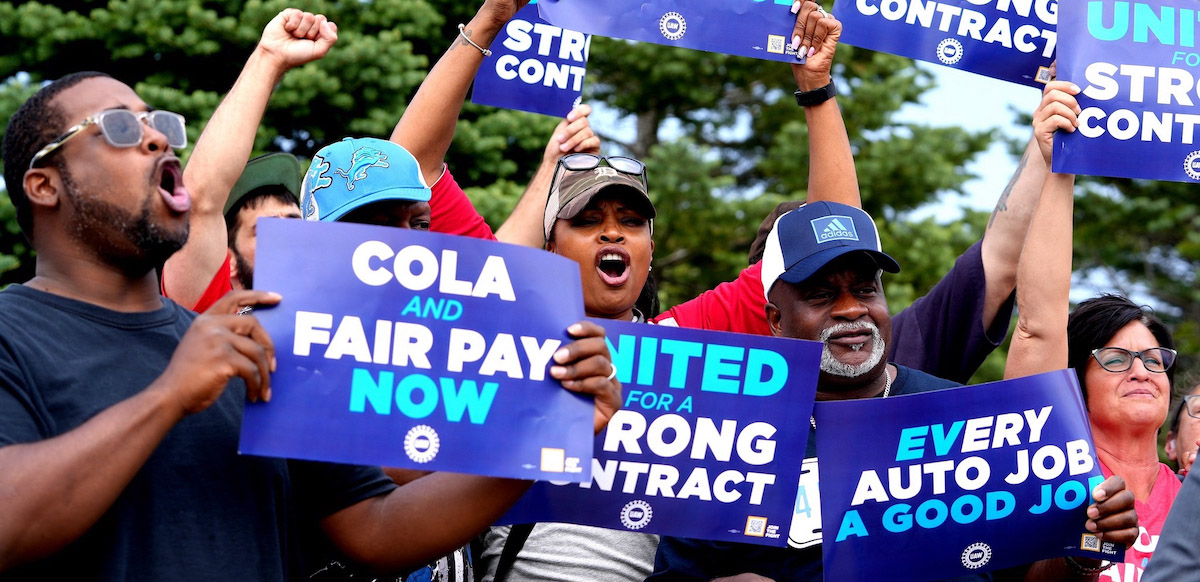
x=709 y=442
x=1139 y=67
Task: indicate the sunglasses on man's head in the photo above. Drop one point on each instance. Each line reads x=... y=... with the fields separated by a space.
x=122 y=128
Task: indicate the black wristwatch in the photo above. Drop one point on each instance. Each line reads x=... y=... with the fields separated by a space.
x=816 y=96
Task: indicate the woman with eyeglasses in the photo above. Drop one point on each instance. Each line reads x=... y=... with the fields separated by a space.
x=1124 y=358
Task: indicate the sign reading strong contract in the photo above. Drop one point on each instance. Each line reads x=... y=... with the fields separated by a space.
x=1011 y=40
x=708 y=444
x=536 y=67
x=831 y=228
x=416 y=349
x=1138 y=64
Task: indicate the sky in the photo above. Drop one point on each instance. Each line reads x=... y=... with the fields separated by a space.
x=974 y=102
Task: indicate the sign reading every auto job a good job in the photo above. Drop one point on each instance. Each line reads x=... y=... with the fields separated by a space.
x=946 y=483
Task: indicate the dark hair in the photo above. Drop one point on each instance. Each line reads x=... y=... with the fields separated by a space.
x=253 y=199
x=36 y=123
x=1095 y=321
x=1192 y=382
x=647 y=301
x=759 y=246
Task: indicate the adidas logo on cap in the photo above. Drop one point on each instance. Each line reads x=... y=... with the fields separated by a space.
x=834 y=227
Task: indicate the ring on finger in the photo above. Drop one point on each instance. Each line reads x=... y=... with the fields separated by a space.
x=612 y=374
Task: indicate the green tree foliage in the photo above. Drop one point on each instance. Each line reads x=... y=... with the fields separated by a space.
x=182 y=55
x=1144 y=238
x=724 y=143
x=722 y=137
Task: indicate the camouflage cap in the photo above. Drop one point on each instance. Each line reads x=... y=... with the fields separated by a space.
x=572 y=192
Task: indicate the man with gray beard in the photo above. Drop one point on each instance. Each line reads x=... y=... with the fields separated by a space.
x=821 y=276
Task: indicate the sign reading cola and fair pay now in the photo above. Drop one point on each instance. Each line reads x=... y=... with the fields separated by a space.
x=416 y=349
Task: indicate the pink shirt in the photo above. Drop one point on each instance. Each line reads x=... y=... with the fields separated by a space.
x=1151 y=515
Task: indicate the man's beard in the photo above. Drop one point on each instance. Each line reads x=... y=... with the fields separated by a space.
x=141 y=244
x=831 y=365
x=245 y=271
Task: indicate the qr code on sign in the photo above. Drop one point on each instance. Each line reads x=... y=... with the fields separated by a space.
x=756 y=526
x=775 y=44
x=1090 y=543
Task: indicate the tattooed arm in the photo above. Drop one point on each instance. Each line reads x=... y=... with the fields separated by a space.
x=1006 y=229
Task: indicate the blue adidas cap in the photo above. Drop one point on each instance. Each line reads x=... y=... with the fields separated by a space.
x=811 y=236
x=355 y=172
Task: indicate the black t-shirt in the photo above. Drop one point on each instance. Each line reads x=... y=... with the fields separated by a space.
x=197 y=510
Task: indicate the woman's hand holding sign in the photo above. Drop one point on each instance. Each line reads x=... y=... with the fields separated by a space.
x=815 y=39
x=1058 y=111
x=585 y=366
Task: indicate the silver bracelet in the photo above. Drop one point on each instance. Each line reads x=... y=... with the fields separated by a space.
x=486 y=52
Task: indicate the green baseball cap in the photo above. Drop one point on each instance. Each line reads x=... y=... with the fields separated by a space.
x=274 y=169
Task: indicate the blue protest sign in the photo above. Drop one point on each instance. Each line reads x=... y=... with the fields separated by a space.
x=708 y=444
x=1138 y=66
x=416 y=349
x=1010 y=40
x=946 y=483
x=748 y=28
x=535 y=66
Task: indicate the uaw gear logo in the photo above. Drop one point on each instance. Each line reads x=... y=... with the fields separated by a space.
x=315 y=179
x=421 y=443
x=976 y=555
x=636 y=514
x=364 y=158
x=1191 y=165
x=834 y=227
x=604 y=171
x=950 y=51
x=672 y=26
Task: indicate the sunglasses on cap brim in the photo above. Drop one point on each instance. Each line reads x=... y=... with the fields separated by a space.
x=584 y=162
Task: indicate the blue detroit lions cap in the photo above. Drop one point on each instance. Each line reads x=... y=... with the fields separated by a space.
x=355 y=172
x=809 y=237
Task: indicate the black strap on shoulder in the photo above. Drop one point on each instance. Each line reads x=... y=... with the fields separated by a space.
x=517 y=535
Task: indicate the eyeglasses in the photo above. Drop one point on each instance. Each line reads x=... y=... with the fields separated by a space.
x=1120 y=359
x=583 y=162
x=1191 y=404
x=123 y=129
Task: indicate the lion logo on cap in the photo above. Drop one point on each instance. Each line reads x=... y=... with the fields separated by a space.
x=364 y=158
x=314 y=180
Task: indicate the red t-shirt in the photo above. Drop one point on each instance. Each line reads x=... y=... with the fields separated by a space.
x=731 y=306
x=451 y=213
x=1151 y=515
